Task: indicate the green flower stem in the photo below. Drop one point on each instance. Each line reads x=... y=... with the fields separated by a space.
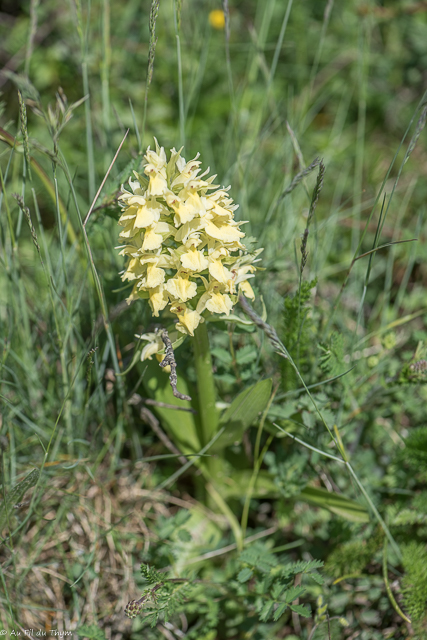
x=208 y=414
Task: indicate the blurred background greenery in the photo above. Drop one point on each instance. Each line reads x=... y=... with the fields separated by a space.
x=260 y=96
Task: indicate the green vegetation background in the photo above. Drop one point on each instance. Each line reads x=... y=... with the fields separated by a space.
x=281 y=85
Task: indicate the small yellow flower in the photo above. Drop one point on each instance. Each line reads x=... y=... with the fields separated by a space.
x=217 y=19
x=158 y=299
x=181 y=287
x=148 y=213
x=154 y=277
x=156 y=171
x=155 y=344
x=155 y=235
x=194 y=260
x=216 y=268
x=214 y=299
x=219 y=303
x=189 y=320
x=188 y=229
x=134 y=271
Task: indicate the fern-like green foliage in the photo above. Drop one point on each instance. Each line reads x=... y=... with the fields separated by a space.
x=415 y=452
x=414 y=586
x=332 y=358
x=162 y=597
x=288 y=471
x=405 y=517
x=272 y=583
x=167 y=526
x=352 y=557
x=168 y=600
x=261 y=588
x=298 y=332
x=150 y=574
x=259 y=556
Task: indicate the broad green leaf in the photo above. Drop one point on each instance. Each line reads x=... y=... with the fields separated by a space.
x=302 y=609
x=335 y=502
x=205 y=534
x=245 y=575
x=16 y=494
x=180 y=425
x=236 y=483
x=242 y=413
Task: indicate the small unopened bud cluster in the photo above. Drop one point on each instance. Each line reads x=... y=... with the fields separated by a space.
x=133 y=608
x=183 y=244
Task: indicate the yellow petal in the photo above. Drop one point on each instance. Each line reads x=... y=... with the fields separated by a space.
x=134 y=200
x=219 y=272
x=155 y=277
x=158 y=299
x=155 y=235
x=194 y=260
x=243 y=273
x=224 y=232
x=183 y=214
x=150 y=349
x=184 y=232
x=195 y=203
x=189 y=320
x=181 y=288
x=219 y=303
x=152 y=240
x=247 y=290
x=149 y=213
x=158 y=184
x=129 y=231
x=157 y=159
x=135 y=270
x=144 y=217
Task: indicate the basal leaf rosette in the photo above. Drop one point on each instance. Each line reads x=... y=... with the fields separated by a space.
x=184 y=248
